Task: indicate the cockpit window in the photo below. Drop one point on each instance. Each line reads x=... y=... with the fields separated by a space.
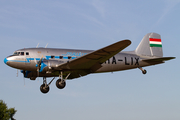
x=15 y=53
x=18 y=53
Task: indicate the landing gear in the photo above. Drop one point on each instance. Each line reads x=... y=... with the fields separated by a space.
x=61 y=83
x=143 y=70
x=44 y=88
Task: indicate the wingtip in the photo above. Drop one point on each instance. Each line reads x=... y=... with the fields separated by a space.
x=173 y=57
x=128 y=41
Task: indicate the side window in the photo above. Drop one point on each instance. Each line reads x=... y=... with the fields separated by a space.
x=69 y=57
x=22 y=53
x=27 y=53
x=52 y=56
x=60 y=57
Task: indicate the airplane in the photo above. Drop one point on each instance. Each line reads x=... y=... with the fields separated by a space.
x=70 y=63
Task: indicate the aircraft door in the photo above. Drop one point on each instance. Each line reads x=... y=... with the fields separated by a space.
x=28 y=58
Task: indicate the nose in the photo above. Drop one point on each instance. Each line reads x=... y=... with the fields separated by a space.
x=5 y=60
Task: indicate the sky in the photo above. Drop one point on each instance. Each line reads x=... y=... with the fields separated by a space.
x=91 y=25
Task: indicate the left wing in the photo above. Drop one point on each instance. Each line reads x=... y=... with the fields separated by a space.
x=93 y=60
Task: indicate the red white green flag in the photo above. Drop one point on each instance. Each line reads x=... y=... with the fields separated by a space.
x=155 y=42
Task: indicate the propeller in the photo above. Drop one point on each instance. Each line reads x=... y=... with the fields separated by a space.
x=38 y=65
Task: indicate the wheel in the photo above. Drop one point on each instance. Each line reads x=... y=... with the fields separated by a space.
x=60 y=84
x=44 y=89
x=144 y=71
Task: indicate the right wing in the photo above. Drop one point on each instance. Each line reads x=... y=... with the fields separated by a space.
x=93 y=60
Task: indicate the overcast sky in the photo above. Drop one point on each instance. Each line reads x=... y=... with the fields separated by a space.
x=92 y=24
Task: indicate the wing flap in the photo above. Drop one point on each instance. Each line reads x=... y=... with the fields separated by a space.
x=94 y=59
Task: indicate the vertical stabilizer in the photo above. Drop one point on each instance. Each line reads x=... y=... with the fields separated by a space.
x=150 y=45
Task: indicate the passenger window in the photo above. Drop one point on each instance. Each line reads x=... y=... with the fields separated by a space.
x=27 y=53
x=22 y=53
x=69 y=57
x=52 y=57
x=60 y=57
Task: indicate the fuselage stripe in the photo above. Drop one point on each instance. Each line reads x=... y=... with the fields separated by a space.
x=30 y=59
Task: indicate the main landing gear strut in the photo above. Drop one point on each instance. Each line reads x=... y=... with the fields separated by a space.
x=60 y=83
x=45 y=87
x=143 y=70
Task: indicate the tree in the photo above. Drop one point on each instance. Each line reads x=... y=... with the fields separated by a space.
x=5 y=113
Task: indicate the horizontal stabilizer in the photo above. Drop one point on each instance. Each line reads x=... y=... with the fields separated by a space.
x=160 y=60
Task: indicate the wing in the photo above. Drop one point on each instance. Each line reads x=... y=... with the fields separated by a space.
x=93 y=60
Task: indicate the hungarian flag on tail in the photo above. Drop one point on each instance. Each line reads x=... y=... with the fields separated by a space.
x=155 y=42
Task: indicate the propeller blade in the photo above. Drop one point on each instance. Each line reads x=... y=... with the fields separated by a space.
x=37 y=72
x=38 y=65
x=35 y=60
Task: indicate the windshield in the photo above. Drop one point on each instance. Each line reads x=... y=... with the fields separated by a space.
x=16 y=53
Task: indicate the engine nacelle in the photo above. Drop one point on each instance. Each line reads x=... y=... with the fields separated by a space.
x=47 y=65
x=30 y=74
x=34 y=74
x=33 y=78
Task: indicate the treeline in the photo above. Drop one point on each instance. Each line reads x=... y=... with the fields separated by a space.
x=5 y=113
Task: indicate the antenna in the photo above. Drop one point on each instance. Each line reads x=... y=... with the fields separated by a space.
x=37 y=45
x=17 y=73
x=46 y=45
x=24 y=82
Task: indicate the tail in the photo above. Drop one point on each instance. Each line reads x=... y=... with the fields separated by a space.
x=150 y=45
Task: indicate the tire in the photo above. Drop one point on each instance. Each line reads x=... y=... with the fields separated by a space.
x=60 y=84
x=144 y=71
x=44 y=89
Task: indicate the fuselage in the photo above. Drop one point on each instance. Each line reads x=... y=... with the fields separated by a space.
x=26 y=59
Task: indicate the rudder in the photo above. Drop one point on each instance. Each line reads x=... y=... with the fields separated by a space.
x=150 y=45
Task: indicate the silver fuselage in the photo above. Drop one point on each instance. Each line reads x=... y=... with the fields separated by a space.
x=28 y=59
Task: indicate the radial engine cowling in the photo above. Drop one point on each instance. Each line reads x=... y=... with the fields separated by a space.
x=47 y=65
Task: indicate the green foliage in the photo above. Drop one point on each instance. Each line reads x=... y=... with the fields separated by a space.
x=5 y=113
